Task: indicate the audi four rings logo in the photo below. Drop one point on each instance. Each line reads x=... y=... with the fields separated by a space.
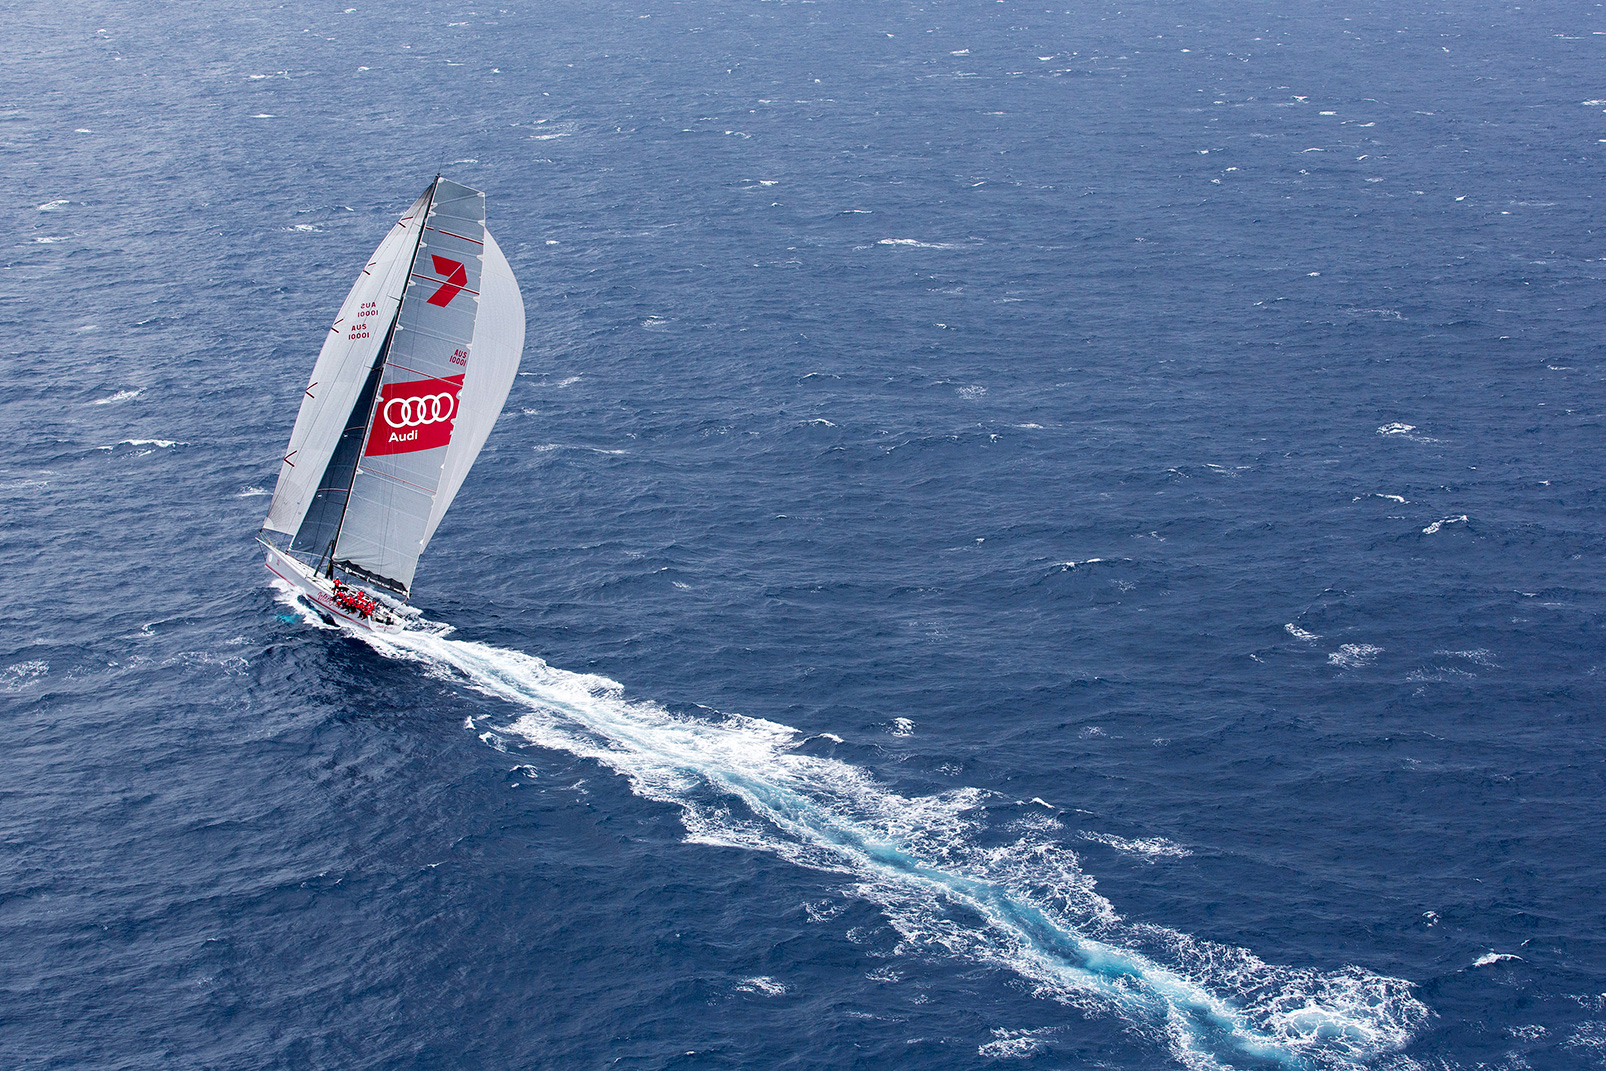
x=420 y=409
x=414 y=415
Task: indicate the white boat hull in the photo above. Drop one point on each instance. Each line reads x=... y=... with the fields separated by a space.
x=320 y=591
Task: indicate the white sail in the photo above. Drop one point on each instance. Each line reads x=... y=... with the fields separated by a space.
x=492 y=367
x=343 y=365
x=393 y=492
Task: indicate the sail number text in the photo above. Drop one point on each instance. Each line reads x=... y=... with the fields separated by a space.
x=360 y=328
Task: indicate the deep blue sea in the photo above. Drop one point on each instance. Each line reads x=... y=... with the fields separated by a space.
x=1028 y=535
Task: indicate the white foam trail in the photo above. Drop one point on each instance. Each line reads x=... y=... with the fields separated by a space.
x=1024 y=907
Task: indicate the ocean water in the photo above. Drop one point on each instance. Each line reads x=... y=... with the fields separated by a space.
x=1043 y=535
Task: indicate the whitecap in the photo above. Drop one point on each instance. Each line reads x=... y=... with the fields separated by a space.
x=1068 y=565
x=233 y=665
x=1300 y=634
x=1590 y=1034
x=1014 y=1044
x=51 y=206
x=762 y=984
x=15 y=678
x=1433 y=528
x=251 y=492
x=1489 y=958
x=1146 y=848
x=120 y=396
x=901 y=727
x=50 y=239
x=915 y=243
x=971 y=392
x=542 y=448
x=1354 y=655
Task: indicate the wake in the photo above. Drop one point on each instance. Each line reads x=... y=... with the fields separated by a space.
x=1025 y=907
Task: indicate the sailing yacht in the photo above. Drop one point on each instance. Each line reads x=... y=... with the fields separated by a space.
x=410 y=379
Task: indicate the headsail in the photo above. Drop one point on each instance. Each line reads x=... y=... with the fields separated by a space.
x=347 y=357
x=415 y=407
x=498 y=344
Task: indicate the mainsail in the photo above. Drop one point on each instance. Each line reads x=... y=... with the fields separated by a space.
x=405 y=392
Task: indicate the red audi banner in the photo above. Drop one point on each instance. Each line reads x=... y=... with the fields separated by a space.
x=416 y=415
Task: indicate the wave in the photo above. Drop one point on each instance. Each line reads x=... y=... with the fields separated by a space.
x=1146 y=848
x=915 y=243
x=1434 y=528
x=23 y=675
x=160 y=444
x=946 y=888
x=1354 y=655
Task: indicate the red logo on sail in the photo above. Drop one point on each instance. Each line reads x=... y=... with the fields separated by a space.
x=417 y=415
x=456 y=277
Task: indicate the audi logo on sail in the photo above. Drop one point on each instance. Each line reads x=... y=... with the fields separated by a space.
x=416 y=415
x=420 y=409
